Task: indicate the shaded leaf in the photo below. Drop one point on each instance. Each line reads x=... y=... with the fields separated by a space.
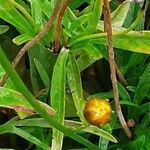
x=3 y=29
x=29 y=137
x=95 y=130
x=43 y=74
x=143 y=86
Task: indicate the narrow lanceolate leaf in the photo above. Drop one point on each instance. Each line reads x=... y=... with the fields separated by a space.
x=74 y=80
x=58 y=96
x=10 y=14
x=29 y=137
x=14 y=100
x=143 y=86
x=93 y=53
x=119 y=15
x=95 y=15
x=42 y=72
x=97 y=131
x=9 y=127
x=36 y=11
x=134 y=41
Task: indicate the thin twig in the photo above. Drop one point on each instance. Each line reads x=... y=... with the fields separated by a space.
x=34 y=40
x=113 y=68
x=58 y=26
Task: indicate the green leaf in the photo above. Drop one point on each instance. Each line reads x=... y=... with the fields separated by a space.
x=135 y=59
x=21 y=87
x=145 y=120
x=119 y=15
x=94 y=17
x=143 y=86
x=79 y=22
x=57 y=93
x=77 y=3
x=43 y=74
x=3 y=29
x=10 y=14
x=9 y=127
x=46 y=58
x=75 y=84
x=40 y=122
x=46 y=6
x=123 y=92
x=125 y=102
x=84 y=60
x=145 y=108
x=138 y=144
x=8 y=83
x=106 y=95
x=15 y=100
x=97 y=131
x=134 y=41
x=88 y=53
x=22 y=39
x=103 y=143
x=29 y=137
x=36 y=11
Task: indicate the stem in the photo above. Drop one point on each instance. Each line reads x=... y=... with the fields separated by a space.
x=119 y=74
x=58 y=26
x=37 y=106
x=108 y=29
x=34 y=40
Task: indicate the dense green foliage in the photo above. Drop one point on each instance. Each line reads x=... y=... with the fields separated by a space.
x=50 y=92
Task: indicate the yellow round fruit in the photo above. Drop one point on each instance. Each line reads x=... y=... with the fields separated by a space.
x=97 y=111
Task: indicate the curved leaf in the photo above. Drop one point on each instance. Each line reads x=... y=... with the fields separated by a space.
x=15 y=100
x=3 y=28
x=95 y=130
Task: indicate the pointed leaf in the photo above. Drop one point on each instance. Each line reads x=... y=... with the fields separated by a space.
x=143 y=86
x=57 y=94
x=30 y=138
x=10 y=14
x=3 y=29
x=95 y=130
x=15 y=100
x=43 y=74
x=119 y=15
x=74 y=80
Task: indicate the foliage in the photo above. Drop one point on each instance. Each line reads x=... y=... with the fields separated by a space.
x=62 y=82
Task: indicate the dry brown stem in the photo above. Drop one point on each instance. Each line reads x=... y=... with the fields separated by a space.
x=58 y=26
x=108 y=29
